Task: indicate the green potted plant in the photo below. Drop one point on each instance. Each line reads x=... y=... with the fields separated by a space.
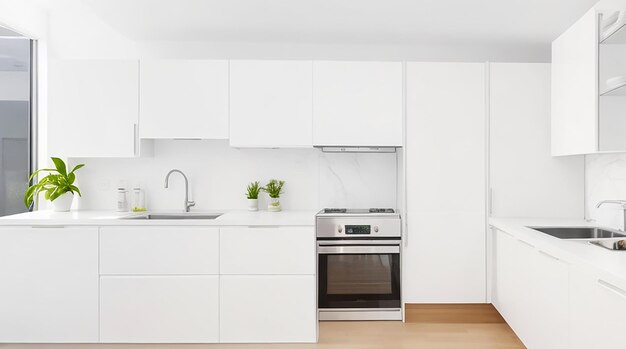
x=58 y=186
x=252 y=193
x=274 y=189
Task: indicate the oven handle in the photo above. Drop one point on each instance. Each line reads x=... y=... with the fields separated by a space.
x=347 y=249
x=358 y=242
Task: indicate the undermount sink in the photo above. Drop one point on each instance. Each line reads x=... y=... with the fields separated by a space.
x=579 y=232
x=185 y=215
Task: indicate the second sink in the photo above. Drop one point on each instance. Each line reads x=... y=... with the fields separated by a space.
x=579 y=232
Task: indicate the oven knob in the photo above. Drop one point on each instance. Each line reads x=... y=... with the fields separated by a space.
x=375 y=229
x=339 y=228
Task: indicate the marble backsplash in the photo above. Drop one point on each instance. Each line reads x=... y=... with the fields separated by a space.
x=218 y=175
x=605 y=179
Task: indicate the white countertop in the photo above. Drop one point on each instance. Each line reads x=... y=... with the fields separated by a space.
x=228 y=218
x=572 y=251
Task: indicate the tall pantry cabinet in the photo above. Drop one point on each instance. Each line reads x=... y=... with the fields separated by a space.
x=477 y=145
x=444 y=254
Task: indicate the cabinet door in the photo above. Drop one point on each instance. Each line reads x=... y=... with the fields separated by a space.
x=519 y=112
x=506 y=274
x=575 y=88
x=598 y=309
x=549 y=278
x=49 y=279
x=270 y=104
x=445 y=161
x=276 y=250
x=159 y=250
x=159 y=309
x=184 y=99
x=268 y=309
x=93 y=108
x=357 y=103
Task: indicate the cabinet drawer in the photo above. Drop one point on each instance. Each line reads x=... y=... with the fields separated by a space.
x=159 y=250
x=276 y=250
x=268 y=309
x=155 y=309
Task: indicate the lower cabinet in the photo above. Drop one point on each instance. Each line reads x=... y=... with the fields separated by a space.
x=531 y=290
x=159 y=309
x=598 y=310
x=48 y=284
x=267 y=309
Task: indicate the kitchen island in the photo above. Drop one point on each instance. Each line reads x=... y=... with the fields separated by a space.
x=105 y=277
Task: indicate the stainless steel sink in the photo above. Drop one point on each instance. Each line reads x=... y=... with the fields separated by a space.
x=579 y=232
x=166 y=216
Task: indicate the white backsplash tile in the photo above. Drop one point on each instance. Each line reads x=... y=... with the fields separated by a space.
x=218 y=175
x=605 y=179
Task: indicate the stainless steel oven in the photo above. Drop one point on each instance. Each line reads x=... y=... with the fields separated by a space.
x=358 y=266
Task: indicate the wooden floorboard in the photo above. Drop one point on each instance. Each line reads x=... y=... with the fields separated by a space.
x=453 y=313
x=357 y=335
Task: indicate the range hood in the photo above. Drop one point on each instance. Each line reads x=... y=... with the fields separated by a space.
x=344 y=149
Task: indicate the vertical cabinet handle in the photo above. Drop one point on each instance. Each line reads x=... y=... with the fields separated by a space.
x=135 y=139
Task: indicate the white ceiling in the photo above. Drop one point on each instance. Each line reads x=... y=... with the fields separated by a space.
x=423 y=22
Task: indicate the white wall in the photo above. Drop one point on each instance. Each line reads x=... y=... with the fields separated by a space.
x=219 y=175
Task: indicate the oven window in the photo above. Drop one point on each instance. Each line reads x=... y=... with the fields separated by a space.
x=359 y=274
x=359 y=280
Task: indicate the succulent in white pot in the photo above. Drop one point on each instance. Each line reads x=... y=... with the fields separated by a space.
x=274 y=188
x=58 y=186
x=252 y=193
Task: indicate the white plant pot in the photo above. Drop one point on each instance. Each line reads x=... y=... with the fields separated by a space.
x=274 y=205
x=253 y=204
x=63 y=203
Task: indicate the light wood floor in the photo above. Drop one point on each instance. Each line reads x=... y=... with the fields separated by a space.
x=358 y=335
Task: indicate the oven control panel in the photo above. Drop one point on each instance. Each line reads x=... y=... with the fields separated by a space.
x=354 y=227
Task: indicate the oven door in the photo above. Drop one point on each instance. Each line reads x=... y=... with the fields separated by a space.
x=361 y=274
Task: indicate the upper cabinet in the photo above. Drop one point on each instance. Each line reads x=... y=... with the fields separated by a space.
x=184 y=99
x=357 y=103
x=589 y=84
x=93 y=108
x=271 y=104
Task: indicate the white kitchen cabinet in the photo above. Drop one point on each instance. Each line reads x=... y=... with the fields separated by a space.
x=446 y=194
x=597 y=309
x=93 y=108
x=49 y=285
x=519 y=148
x=357 y=103
x=531 y=291
x=159 y=309
x=587 y=109
x=165 y=250
x=549 y=280
x=575 y=88
x=184 y=99
x=270 y=104
x=268 y=309
x=273 y=250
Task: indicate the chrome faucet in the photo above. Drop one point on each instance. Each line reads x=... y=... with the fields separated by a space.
x=188 y=203
x=617 y=202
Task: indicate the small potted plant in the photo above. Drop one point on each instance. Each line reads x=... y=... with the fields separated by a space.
x=58 y=186
x=252 y=193
x=274 y=189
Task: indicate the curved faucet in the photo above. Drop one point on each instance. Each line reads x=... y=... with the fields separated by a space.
x=188 y=203
x=617 y=202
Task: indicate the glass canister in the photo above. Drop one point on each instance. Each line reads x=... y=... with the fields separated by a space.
x=138 y=200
